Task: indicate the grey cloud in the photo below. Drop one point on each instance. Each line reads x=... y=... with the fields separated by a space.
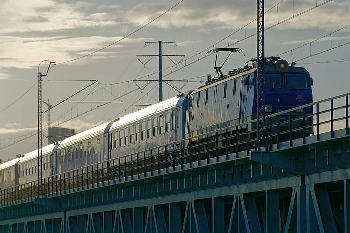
x=234 y=14
x=35 y=19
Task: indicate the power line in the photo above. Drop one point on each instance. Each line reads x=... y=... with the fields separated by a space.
x=160 y=56
x=34 y=133
x=313 y=41
x=10 y=105
x=121 y=39
x=186 y=64
x=327 y=62
x=204 y=55
x=324 y=51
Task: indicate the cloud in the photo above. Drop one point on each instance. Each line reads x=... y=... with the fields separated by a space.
x=12 y=125
x=79 y=125
x=7 y=131
x=27 y=52
x=48 y=15
x=330 y=38
x=15 y=130
x=226 y=15
x=4 y=75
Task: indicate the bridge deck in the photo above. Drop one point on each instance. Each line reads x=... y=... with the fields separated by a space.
x=300 y=185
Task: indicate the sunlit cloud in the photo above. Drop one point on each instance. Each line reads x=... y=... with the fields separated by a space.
x=226 y=15
x=79 y=125
x=28 y=52
x=48 y=15
x=330 y=38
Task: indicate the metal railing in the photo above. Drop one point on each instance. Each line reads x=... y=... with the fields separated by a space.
x=328 y=116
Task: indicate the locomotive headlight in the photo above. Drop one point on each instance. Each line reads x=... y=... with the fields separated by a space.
x=268 y=108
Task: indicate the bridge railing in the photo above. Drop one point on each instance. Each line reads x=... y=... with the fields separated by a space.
x=327 y=116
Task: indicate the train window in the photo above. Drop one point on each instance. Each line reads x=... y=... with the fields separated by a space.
x=167 y=122
x=81 y=151
x=234 y=87
x=206 y=96
x=76 y=150
x=69 y=154
x=115 y=137
x=161 y=124
x=98 y=141
x=149 y=127
x=92 y=151
x=198 y=99
x=215 y=93
x=137 y=132
x=126 y=136
x=131 y=133
x=131 y=138
x=143 y=130
x=173 y=120
x=225 y=89
x=121 y=137
x=155 y=126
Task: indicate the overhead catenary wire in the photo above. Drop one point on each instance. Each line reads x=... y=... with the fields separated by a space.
x=205 y=54
x=124 y=37
x=187 y=64
x=19 y=98
x=34 y=133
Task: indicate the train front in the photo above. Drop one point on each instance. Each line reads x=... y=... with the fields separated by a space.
x=287 y=87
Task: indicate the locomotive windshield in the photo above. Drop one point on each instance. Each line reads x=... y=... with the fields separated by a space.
x=291 y=81
x=297 y=81
x=272 y=81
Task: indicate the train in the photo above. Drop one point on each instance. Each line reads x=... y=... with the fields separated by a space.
x=185 y=121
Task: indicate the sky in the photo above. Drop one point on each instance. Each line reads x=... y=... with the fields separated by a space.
x=105 y=41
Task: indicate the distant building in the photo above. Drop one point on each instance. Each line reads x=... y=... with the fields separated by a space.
x=58 y=134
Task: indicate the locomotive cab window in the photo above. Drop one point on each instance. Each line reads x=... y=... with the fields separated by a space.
x=297 y=82
x=272 y=81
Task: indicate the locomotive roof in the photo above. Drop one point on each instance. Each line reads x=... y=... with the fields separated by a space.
x=87 y=134
x=9 y=163
x=148 y=111
x=223 y=80
x=34 y=154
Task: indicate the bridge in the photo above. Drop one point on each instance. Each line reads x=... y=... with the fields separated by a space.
x=223 y=184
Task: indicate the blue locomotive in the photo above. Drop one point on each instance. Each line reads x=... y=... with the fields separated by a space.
x=232 y=100
x=186 y=120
